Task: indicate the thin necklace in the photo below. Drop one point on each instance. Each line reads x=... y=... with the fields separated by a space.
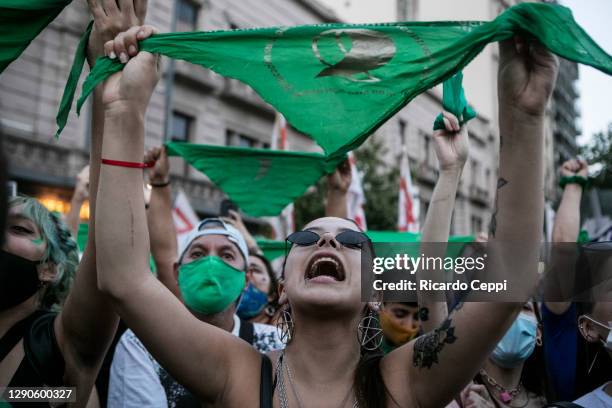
x=282 y=393
x=506 y=396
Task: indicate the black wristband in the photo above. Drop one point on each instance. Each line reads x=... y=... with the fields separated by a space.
x=580 y=180
x=167 y=183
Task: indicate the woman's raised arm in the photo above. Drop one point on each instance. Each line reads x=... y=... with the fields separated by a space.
x=429 y=371
x=198 y=355
x=87 y=323
x=451 y=147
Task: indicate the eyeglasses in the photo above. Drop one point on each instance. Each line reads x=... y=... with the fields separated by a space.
x=349 y=238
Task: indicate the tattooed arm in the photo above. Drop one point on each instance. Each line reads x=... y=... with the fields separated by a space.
x=430 y=370
x=451 y=146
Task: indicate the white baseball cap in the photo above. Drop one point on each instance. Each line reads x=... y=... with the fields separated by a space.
x=215 y=226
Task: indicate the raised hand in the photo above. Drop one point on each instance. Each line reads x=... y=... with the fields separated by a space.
x=134 y=85
x=451 y=144
x=340 y=180
x=527 y=74
x=574 y=167
x=475 y=396
x=158 y=174
x=81 y=189
x=110 y=19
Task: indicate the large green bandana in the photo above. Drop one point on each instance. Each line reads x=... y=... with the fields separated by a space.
x=209 y=285
x=21 y=21
x=276 y=178
x=338 y=82
x=261 y=181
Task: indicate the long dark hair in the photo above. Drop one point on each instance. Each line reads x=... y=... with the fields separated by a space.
x=534 y=376
x=368 y=382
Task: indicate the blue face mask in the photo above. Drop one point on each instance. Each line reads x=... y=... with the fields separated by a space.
x=518 y=343
x=253 y=301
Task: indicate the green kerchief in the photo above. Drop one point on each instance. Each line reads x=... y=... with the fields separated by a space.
x=453 y=101
x=21 y=21
x=338 y=82
x=261 y=181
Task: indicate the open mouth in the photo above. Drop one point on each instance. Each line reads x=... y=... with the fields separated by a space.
x=325 y=264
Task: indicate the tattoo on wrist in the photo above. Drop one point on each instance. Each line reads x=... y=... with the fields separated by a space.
x=501 y=182
x=428 y=346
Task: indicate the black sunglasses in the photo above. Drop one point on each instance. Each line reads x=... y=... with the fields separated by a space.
x=349 y=238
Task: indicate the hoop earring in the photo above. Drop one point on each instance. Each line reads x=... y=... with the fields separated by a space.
x=285 y=326
x=369 y=333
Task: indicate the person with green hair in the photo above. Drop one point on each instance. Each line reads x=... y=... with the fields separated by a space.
x=60 y=249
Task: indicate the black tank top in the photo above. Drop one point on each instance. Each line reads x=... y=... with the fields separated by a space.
x=266 y=387
x=43 y=363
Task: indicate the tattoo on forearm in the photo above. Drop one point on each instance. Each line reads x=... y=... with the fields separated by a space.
x=501 y=182
x=428 y=346
x=423 y=314
x=458 y=306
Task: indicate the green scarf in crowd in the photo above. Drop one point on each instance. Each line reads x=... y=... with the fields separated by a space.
x=21 y=21
x=338 y=83
x=261 y=181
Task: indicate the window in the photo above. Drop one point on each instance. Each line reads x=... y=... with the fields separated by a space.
x=476 y=224
x=402 y=132
x=186 y=15
x=424 y=207
x=233 y=138
x=245 y=141
x=426 y=148
x=181 y=127
x=475 y=172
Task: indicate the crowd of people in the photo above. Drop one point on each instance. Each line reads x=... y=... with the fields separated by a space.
x=217 y=325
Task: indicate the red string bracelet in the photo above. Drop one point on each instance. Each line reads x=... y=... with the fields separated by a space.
x=134 y=165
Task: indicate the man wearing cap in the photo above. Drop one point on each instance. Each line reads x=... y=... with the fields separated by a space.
x=211 y=275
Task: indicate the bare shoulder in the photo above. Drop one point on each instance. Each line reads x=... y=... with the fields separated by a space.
x=243 y=387
x=393 y=368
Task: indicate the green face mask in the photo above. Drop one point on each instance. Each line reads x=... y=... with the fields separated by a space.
x=209 y=285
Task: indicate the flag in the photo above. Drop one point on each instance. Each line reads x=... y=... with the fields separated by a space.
x=407 y=205
x=355 y=197
x=339 y=82
x=283 y=224
x=279 y=133
x=184 y=217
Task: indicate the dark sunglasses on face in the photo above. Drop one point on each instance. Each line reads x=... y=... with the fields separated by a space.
x=349 y=238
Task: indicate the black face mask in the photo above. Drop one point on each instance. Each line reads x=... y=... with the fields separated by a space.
x=18 y=279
